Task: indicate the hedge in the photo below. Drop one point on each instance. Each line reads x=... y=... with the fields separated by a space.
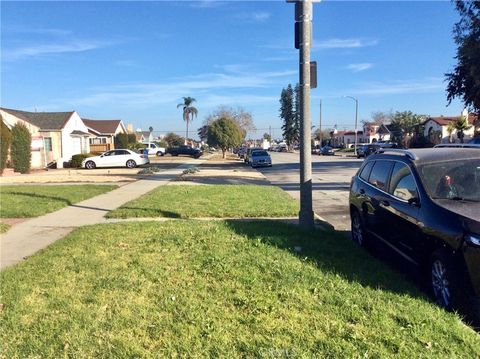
x=5 y=139
x=21 y=148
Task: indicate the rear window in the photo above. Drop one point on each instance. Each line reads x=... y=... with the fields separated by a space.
x=402 y=183
x=379 y=175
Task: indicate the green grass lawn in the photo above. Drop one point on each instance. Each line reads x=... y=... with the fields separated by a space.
x=220 y=288
x=4 y=227
x=190 y=201
x=33 y=201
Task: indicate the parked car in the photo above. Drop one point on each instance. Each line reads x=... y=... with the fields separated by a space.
x=248 y=153
x=116 y=158
x=326 y=151
x=316 y=150
x=260 y=158
x=185 y=151
x=153 y=149
x=367 y=150
x=425 y=205
x=475 y=141
x=457 y=145
x=241 y=152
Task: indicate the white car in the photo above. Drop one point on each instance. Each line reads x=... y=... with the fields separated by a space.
x=153 y=149
x=116 y=158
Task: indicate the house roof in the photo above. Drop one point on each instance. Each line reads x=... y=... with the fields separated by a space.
x=104 y=127
x=79 y=133
x=43 y=120
x=444 y=121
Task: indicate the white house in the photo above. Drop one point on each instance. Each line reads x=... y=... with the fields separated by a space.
x=436 y=128
x=56 y=136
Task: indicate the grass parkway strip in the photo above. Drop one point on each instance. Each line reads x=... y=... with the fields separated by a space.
x=190 y=201
x=34 y=201
x=223 y=288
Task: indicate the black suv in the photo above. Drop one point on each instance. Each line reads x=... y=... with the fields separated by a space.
x=185 y=151
x=425 y=205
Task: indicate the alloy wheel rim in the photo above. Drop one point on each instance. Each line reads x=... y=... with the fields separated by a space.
x=440 y=284
x=357 y=229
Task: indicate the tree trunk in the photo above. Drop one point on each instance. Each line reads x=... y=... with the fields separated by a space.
x=186 y=137
x=224 y=152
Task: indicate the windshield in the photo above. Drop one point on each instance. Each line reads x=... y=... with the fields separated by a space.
x=259 y=153
x=452 y=180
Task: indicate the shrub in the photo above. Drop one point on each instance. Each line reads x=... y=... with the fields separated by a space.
x=5 y=139
x=21 y=151
x=121 y=140
x=77 y=160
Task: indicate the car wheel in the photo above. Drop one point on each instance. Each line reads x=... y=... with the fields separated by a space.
x=443 y=274
x=90 y=165
x=159 y=154
x=358 y=230
x=131 y=164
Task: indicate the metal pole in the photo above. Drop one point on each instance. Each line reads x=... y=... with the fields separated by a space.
x=306 y=217
x=356 y=131
x=321 y=135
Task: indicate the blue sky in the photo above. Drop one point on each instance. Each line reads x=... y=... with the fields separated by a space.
x=135 y=60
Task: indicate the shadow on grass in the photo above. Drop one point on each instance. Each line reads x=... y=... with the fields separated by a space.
x=143 y=212
x=330 y=251
x=34 y=195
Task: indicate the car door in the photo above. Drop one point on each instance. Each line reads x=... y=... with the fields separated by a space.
x=402 y=212
x=121 y=157
x=106 y=159
x=378 y=197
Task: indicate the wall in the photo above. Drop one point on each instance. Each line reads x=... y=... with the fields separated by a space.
x=75 y=123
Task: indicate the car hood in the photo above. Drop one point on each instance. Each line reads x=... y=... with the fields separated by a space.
x=467 y=209
x=260 y=158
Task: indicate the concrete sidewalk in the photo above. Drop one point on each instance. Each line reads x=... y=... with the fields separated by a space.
x=26 y=238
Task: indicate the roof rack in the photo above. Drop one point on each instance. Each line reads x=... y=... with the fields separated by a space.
x=407 y=153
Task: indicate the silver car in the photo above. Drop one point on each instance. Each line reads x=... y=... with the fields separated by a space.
x=260 y=158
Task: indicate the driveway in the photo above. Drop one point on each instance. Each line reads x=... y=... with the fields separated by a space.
x=331 y=179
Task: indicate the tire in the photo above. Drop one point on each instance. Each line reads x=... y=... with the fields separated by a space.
x=444 y=279
x=90 y=165
x=358 y=229
x=159 y=154
x=131 y=164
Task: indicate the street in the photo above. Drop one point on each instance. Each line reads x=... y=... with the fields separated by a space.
x=331 y=179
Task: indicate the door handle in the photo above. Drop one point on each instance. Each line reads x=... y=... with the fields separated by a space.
x=384 y=203
x=362 y=191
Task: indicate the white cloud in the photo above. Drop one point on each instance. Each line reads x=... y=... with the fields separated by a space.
x=260 y=16
x=51 y=49
x=206 y=87
x=426 y=85
x=359 y=67
x=343 y=43
x=206 y=4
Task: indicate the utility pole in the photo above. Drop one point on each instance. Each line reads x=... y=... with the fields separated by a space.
x=303 y=39
x=320 y=128
x=356 y=121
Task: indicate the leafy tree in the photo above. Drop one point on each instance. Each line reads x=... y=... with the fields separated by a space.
x=296 y=113
x=288 y=116
x=464 y=81
x=450 y=129
x=188 y=110
x=266 y=136
x=380 y=117
x=121 y=140
x=225 y=133
x=461 y=125
x=5 y=138
x=203 y=132
x=403 y=124
x=242 y=118
x=21 y=151
x=173 y=139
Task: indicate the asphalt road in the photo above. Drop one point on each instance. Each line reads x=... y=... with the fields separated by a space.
x=331 y=177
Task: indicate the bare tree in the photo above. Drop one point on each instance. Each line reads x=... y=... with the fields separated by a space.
x=241 y=117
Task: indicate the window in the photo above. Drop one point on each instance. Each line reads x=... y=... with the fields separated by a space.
x=366 y=170
x=379 y=174
x=402 y=183
x=48 y=144
x=121 y=152
x=98 y=141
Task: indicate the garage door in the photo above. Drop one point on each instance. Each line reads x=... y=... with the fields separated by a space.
x=77 y=146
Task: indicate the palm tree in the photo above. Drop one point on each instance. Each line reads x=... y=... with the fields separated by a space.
x=461 y=125
x=450 y=129
x=188 y=111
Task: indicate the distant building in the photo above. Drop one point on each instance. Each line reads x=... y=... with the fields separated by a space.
x=435 y=129
x=103 y=133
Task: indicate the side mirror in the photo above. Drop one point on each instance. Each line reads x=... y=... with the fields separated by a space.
x=101 y=156
x=414 y=201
